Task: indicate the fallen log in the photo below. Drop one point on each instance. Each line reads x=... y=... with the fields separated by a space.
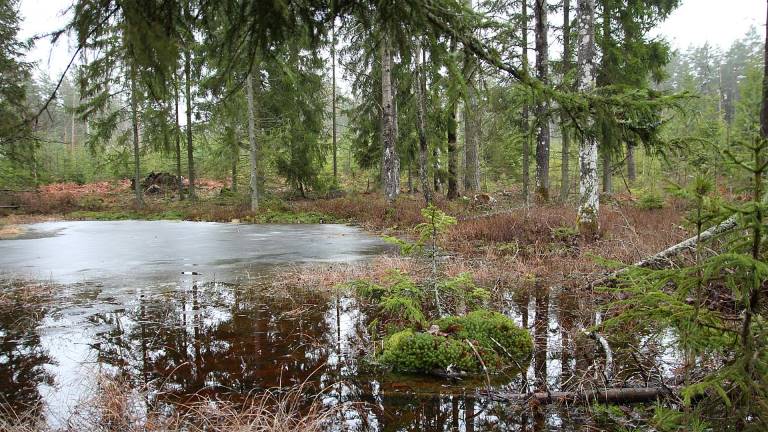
x=9 y=206
x=662 y=259
x=611 y=395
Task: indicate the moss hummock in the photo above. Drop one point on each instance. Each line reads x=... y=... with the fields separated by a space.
x=452 y=341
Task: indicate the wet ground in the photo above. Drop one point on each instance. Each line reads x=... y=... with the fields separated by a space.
x=126 y=309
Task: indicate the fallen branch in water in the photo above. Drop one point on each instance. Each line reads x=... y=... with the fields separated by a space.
x=611 y=395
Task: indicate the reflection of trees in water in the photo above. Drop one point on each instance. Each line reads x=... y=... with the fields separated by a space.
x=214 y=338
x=22 y=358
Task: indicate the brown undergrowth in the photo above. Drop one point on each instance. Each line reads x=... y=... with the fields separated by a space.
x=116 y=406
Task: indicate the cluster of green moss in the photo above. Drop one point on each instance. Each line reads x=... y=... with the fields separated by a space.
x=459 y=344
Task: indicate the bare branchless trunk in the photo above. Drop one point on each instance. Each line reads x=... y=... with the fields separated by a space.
x=188 y=97
x=565 y=174
x=136 y=144
x=235 y=157
x=421 y=122
x=524 y=120
x=453 y=156
x=333 y=98
x=631 y=165
x=253 y=145
x=471 y=123
x=389 y=160
x=607 y=170
x=177 y=133
x=436 y=168
x=542 y=107
x=589 y=202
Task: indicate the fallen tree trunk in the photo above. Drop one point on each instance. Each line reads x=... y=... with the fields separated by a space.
x=662 y=259
x=611 y=395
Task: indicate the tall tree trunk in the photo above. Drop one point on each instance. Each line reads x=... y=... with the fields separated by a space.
x=608 y=139
x=542 y=107
x=188 y=97
x=253 y=145
x=421 y=122
x=436 y=175
x=177 y=132
x=453 y=156
x=471 y=123
x=390 y=161
x=135 y=126
x=607 y=170
x=589 y=202
x=565 y=174
x=631 y=166
x=235 y=157
x=524 y=120
x=333 y=97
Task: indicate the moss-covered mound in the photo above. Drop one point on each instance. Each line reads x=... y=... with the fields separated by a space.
x=456 y=342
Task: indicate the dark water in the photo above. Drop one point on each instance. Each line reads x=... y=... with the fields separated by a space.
x=127 y=311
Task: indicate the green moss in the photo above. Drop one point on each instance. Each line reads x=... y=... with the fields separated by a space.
x=408 y=351
x=495 y=337
x=492 y=331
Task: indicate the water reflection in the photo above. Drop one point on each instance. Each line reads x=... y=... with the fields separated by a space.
x=228 y=341
x=23 y=359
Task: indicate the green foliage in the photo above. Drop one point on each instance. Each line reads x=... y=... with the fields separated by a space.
x=651 y=200
x=456 y=346
x=565 y=233
x=679 y=299
x=437 y=223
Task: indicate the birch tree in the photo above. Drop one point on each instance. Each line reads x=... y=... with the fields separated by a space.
x=589 y=201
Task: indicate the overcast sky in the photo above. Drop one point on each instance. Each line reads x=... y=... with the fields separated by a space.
x=718 y=22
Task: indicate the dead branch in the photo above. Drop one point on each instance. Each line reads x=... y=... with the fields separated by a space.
x=611 y=395
x=662 y=259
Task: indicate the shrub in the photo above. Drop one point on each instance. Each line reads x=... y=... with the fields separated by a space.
x=651 y=201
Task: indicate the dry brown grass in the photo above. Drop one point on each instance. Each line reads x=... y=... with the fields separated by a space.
x=116 y=406
x=373 y=212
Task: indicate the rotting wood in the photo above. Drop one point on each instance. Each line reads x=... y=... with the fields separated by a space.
x=612 y=395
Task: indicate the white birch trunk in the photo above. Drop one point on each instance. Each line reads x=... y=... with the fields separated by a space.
x=589 y=202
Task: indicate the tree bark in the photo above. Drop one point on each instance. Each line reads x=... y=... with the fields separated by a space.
x=135 y=125
x=421 y=122
x=589 y=202
x=333 y=96
x=524 y=120
x=565 y=174
x=177 y=132
x=436 y=175
x=235 y=157
x=253 y=145
x=607 y=170
x=542 y=107
x=631 y=166
x=471 y=123
x=453 y=155
x=188 y=97
x=390 y=161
